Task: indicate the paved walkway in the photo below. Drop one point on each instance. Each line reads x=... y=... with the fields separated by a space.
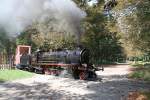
x=113 y=86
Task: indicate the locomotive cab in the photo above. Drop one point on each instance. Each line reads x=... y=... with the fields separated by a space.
x=22 y=58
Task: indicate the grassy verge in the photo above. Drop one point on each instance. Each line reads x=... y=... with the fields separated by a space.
x=142 y=71
x=8 y=75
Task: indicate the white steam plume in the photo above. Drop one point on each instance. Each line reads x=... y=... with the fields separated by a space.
x=16 y=15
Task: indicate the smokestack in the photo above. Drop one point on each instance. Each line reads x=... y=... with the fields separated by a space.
x=59 y=15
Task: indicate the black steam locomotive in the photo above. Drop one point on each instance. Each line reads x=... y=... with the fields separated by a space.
x=62 y=57
x=75 y=62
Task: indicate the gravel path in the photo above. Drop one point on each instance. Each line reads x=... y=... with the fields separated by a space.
x=113 y=86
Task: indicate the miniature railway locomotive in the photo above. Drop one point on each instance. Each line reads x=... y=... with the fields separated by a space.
x=53 y=62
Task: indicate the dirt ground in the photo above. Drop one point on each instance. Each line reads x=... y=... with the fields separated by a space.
x=112 y=84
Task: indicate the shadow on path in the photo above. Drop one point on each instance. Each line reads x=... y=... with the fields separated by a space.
x=111 y=87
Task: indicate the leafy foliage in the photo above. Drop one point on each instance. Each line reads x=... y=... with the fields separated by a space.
x=143 y=73
x=103 y=43
x=135 y=25
x=107 y=38
x=25 y=38
x=7 y=46
x=54 y=40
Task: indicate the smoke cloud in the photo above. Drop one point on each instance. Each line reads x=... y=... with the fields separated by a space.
x=59 y=15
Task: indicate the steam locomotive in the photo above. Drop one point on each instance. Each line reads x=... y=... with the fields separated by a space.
x=76 y=62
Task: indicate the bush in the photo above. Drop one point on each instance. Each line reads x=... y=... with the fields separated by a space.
x=143 y=74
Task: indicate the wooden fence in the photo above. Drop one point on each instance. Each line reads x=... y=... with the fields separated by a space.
x=6 y=66
x=6 y=61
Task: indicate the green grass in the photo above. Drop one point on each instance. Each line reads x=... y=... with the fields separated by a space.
x=142 y=71
x=140 y=64
x=143 y=74
x=9 y=75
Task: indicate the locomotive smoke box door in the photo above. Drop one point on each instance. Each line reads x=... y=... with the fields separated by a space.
x=20 y=50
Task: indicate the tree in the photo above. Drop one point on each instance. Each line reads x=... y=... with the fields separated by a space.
x=54 y=40
x=102 y=42
x=7 y=46
x=46 y=39
x=134 y=26
x=25 y=38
